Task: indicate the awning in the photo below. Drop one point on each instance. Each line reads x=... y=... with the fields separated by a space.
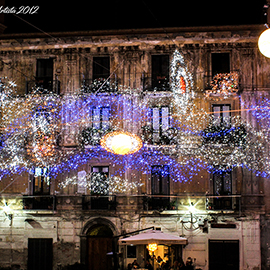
x=153 y=236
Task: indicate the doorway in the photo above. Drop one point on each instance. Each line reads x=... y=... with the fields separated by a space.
x=224 y=254
x=99 y=244
x=40 y=253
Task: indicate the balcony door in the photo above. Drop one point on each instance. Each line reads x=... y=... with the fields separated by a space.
x=44 y=73
x=99 y=186
x=222 y=182
x=160 y=185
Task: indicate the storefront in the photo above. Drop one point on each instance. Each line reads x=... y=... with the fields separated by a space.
x=153 y=246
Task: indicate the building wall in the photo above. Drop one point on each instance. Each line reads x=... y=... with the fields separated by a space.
x=130 y=63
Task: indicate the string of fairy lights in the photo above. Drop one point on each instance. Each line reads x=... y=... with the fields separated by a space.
x=34 y=128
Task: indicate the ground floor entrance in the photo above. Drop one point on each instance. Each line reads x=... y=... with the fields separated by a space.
x=99 y=246
x=224 y=254
x=40 y=254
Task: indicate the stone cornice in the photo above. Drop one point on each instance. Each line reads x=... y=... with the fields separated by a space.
x=180 y=36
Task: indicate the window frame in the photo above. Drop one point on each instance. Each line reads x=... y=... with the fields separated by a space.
x=221 y=115
x=101 y=120
x=222 y=69
x=160 y=84
x=160 y=131
x=96 y=65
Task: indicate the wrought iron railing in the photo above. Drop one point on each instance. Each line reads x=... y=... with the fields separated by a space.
x=43 y=87
x=218 y=82
x=158 y=84
x=99 y=86
x=140 y=203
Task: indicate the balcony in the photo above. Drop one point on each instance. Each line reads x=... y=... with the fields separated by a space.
x=39 y=203
x=151 y=137
x=144 y=204
x=100 y=85
x=157 y=84
x=90 y=137
x=222 y=83
x=43 y=87
x=182 y=203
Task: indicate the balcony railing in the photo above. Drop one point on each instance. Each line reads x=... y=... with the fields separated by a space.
x=43 y=87
x=200 y=203
x=151 y=137
x=222 y=82
x=140 y=203
x=99 y=86
x=158 y=84
x=39 y=202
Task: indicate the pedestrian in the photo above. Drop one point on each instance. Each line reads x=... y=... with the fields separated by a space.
x=181 y=265
x=135 y=265
x=175 y=266
x=148 y=265
x=189 y=264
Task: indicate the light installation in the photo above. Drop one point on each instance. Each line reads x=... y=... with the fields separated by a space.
x=264 y=43
x=152 y=247
x=121 y=143
x=34 y=127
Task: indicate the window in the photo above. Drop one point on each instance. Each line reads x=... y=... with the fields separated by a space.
x=44 y=73
x=160 y=122
x=101 y=118
x=221 y=114
x=44 y=68
x=44 y=78
x=101 y=67
x=42 y=120
x=220 y=63
x=222 y=184
x=224 y=254
x=99 y=186
x=160 y=177
x=131 y=252
x=41 y=181
x=160 y=185
x=99 y=175
x=160 y=72
x=40 y=254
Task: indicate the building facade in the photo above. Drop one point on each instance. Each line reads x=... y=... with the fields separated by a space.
x=197 y=97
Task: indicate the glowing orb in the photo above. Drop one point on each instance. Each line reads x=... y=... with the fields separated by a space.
x=121 y=143
x=152 y=247
x=264 y=43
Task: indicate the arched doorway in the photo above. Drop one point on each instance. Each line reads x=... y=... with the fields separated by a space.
x=97 y=242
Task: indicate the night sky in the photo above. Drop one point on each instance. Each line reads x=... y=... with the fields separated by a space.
x=122 y=14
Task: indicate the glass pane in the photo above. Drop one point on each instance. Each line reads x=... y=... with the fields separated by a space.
x=227 y=184
x=218 y=184
x=165 y=180
x=96 y=118
x=105 y=118
x=165 y=118
x=216 y=115
x=156 y=119
x=46 y=185
x=105 y=169
x=95 y=169
x=226 y=115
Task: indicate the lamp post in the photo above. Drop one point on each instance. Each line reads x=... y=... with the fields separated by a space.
x=152 y=247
